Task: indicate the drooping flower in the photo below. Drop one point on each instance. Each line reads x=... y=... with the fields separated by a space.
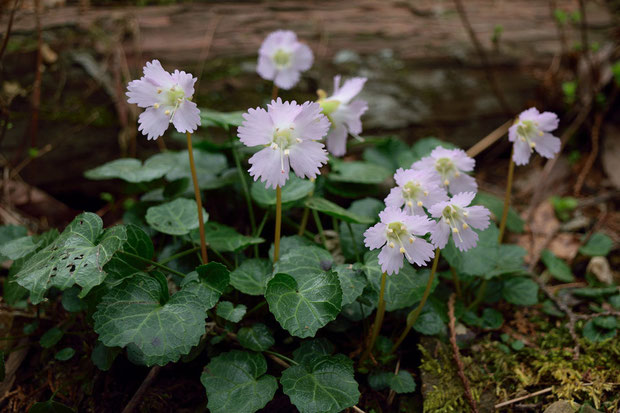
x=288 y=132
x=343 y=113
x=450 y=166
x=455 y=216
x=531 y=132
x=167 y=99
x=415 y=189
x=282 y=58
x=398 y=235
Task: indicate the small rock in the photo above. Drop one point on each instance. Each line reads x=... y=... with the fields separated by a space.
x=562 y=406
x=599 y=266
x=346 y=56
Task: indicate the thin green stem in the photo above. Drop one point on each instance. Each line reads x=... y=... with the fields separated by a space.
x=179 y=255
x=413 y=315
x=276 y=240
x=223 y=259
x=153 y=263
x=376 y=327
x=502 y=224
x=259 y=230
x=319 y=226
x=304 y=221
x=355 y=249
x=274 y=92
x=256 y=308
x=291 y=361
x=457 y=282
x=335 y=225
x=295 y=225
x=244 y=187
x=479 y=296
x=201 y=224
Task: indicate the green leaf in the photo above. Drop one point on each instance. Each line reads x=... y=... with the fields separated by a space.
x=251 y=276
x=491 y=319
x=77 y=256
x=594 y=292
x=304 y=262
x=65 y=354
x=103 y=356
x=305 y=303
x=228 y=311
x=514 y=223
x=17 y=248
x=352 y=281
x=210 y=168
x=223 y=238
x=290 y=242
x=208 y=283
x=294 y=190
x=488 y=259
x=599 y=244
x=132 y=170
x=257 y=337
x=177 y=217
x=51 y=337
x=9 y=233
x=402 y=382
x=236 y=382
x=224 y=120
x=425 y=146
x=606 y=322
x=520 y=291
x=122 y=266
x=596 y=334
x=363 y=306
x=557 y=267
x=132 y=314
x=358 y=172
x=353 y=246
x=429 y=323
x=71 y=300
x=615 y=301
x=336 y=211
x=401 y=290
x=310 y=351
x=328 y=386
x=50 y=406
x=391 y=153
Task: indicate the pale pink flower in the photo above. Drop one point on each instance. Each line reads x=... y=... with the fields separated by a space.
x=531 y=132
x=343 y=113
x=398 y=235
x=414 y=190
x=288 y=132
x=455 y=216
x=167 y=99
x=450 y=166
x=282 y=58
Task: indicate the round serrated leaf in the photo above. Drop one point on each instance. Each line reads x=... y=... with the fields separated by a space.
x=208 y=282
x=402 y=382
x=599 y=244
x=305 y=304
x=251 y=276
x=131 y=170
x=352 y=281
x=358 y=172
x=597 y=334
x=177 y=217
x=51 y=337
x=304 y=261
x=131 y=313
x=64 y=354
x=353 y=244
x=223 y=238
x=557 y=267
x=230 y=312
x=336 y=211
x=257 y=337
x=328 y=386
x=294 y=190
x=401 y=290
x=236 y=382
x=520 y=291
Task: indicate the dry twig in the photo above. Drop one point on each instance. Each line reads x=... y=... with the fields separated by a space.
x=527 y=396
x=137 y=397
x=457 y=357
x=596 y=129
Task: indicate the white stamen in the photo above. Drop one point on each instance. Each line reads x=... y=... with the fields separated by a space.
x=420 y=203
x=411 y=239
x=532 y=145
x=425 y=193
x=457 y=173
x=287 y=152
x=159 y=90
x=409 y=203
x=167 y=112
x=402 y=250
x=465 y=226
x=446 y=182
x=298 y=140
x=274 y=146
x=391 y=245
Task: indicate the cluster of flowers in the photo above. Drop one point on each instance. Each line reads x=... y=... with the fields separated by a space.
x=424 y=190
x=290 y=133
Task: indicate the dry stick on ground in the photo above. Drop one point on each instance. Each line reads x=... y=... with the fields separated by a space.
x=137 y=397
x=527 y=396
x=457 y=357
x=36 y=92
x=5 y=41
x=490 y=75
x=392 y=393
x=596 y=129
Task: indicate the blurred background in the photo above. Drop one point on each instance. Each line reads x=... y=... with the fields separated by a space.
x=456 y=70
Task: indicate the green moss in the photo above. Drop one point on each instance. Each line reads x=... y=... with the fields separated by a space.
x=549 y=362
